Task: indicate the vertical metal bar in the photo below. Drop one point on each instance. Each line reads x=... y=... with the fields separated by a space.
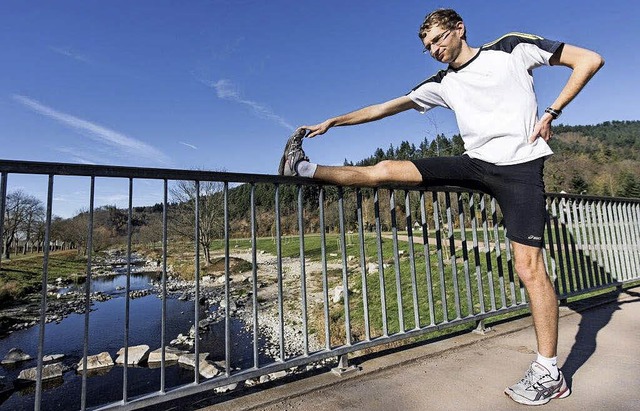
x=279 y=268
x=565 y=243
x=562 y=273
x=412 y=261
x=465 y=254
x=496 y=234
x=487 y=251
x=43 y=300
x=383 y=295
x=628 y=238
x=345 y=276
x=254 y=277
x=452 y=254
x=163 y=325
x=606 y=244
x=127 y=300
x=87 y=297
x=363 y=266
x=303 y=276
x=596 y=254
x=3 y=205
x=613 y=242
x=476 y=250
x=427 y=258
x=196 y=274
x=633 y=236
x=227 y=288
x=635 y=219
x=574 y=236
x=622 y=224
x=438 y=233
x=512 y=284
x=611 y=274
x=325 y=279
x=585 y=253
x=396 y=258
x=552 y=266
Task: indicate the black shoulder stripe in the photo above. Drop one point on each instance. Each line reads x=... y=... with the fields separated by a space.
x=436 y=78
x=509 y=41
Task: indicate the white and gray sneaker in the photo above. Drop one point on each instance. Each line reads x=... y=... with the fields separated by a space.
x=537 y=387
x=293 y=154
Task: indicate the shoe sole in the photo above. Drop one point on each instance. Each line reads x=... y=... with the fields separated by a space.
x=522 y=400
x=298 y=134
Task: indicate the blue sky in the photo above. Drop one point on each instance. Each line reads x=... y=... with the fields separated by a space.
x=220 y=84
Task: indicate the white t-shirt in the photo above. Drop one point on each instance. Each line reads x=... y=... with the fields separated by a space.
x=493 y=98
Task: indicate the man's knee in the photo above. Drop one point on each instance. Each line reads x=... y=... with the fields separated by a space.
x=395 y=171
x=529 y=265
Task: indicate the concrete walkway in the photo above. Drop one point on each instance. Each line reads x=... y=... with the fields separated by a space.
x=599 y=353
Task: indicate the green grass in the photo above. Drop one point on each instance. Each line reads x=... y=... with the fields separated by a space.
x=463 y=284
x=23 y=273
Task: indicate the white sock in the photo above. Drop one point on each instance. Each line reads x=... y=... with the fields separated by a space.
x=306 y=169
x=550 y=364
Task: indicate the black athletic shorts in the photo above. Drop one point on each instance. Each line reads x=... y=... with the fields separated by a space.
x=518 y=188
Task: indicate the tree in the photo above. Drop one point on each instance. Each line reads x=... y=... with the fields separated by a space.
x=22 y=213
x=210 y=207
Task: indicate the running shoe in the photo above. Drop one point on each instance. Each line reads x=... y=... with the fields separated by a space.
x=293 y=154
x=537 y=387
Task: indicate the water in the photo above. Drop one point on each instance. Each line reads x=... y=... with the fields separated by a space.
x=106 y=333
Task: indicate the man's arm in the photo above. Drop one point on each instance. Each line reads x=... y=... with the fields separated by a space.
x=363 y=115
x=584 y=64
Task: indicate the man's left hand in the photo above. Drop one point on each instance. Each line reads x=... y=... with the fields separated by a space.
x=542 y=128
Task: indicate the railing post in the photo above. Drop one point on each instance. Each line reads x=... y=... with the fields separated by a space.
x=343 y=366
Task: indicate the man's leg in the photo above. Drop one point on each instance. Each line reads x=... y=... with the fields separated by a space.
x=542 y=297
x=539 y=386
x=387 y=171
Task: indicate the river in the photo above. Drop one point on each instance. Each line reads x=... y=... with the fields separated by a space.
x=106 y=333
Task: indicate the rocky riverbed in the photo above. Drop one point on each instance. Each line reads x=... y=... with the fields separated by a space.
x=63 y=300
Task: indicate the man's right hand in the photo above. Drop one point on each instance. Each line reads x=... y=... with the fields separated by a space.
x=318 y=129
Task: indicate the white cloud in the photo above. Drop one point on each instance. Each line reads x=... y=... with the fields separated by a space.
x=68 y=53
x=126 y=146
x=227 y=90
x=188 y=145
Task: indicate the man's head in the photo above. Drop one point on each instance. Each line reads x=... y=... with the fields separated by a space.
x=441 y=33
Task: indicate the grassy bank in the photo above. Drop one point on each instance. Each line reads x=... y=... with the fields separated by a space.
x=23 y=273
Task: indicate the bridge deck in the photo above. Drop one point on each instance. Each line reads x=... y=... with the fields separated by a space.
x=599 y=353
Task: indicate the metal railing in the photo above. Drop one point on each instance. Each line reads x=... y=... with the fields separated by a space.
x=420 y=264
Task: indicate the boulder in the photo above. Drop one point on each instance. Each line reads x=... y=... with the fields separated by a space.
x=337 y=294
x=15 y=355
x=48 y=371
x=136 y=354
x=52 y=358
x=208 y=369
x=170 y=354
x=226 y=388
x=98 y=361
x=190 y=359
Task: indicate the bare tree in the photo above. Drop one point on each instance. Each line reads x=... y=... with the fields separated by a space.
x=210 y=207
x=22 y=213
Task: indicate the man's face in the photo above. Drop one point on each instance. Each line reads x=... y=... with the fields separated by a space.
x=442 y=44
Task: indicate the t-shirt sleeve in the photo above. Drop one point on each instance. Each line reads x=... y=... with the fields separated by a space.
x=428 y=94
x=535 y=51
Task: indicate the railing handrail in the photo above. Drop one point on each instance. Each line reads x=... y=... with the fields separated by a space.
x=154 y=173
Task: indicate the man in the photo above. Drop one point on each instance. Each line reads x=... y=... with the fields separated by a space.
x=491 y=91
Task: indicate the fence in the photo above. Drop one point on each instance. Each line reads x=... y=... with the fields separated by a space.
x=400 y=263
